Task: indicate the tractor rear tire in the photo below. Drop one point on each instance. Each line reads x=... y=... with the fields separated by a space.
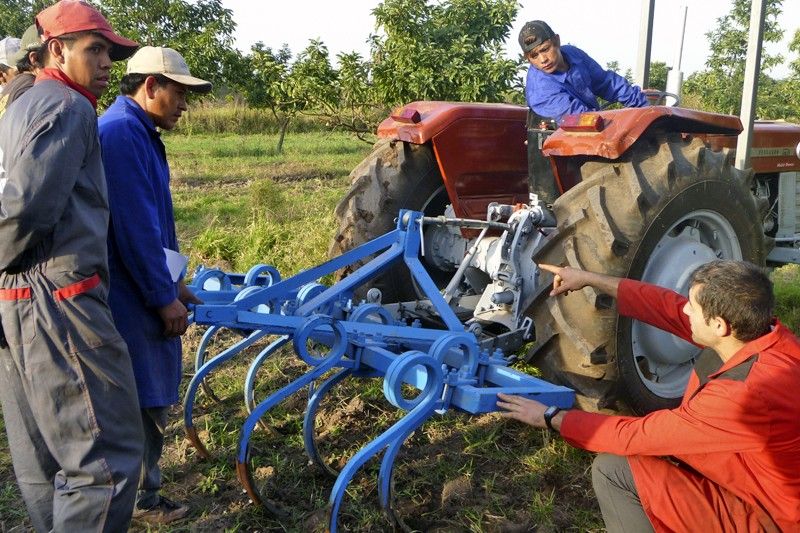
x=396 y=175
x=667 y=206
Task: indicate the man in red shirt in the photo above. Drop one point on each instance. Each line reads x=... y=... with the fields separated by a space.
x=727 y=458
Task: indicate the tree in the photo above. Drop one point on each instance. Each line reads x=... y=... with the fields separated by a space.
x=794 y=46
x=719 y=87
x=17 y=15
x=452 y=50
x=285 y=87
x=790 y=90
x=613 y=66
x=658 y=75
x=357 y=110
x=201 y=31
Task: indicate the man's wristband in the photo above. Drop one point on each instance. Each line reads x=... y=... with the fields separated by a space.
x=549 y=413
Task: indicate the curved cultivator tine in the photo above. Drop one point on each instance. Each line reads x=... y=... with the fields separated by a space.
x=310 y=421
x=199 y=377
x=393 y=438
x=252 y=372
x=244 y=459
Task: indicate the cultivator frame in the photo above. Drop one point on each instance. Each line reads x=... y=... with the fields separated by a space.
x=449 y=365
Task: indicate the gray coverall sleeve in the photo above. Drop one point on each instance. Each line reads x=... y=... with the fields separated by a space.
x=40 y=180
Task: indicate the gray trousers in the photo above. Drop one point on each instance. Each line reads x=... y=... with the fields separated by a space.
x=616 y=492
x=154 y=421
x=69 y=406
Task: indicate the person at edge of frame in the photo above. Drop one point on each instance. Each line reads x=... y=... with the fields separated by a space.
x=727 y=458
x=66 y=382
x=9 y=46
x=28 y=64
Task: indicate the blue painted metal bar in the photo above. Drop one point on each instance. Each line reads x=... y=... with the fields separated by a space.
x=413 y=230
x=313 y=274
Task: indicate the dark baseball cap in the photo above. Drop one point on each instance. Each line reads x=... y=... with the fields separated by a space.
x=30 y=41
x=533 y=34
x=71 y=16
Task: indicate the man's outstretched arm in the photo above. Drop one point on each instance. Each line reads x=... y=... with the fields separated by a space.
x=567 y=279
x=648 y=303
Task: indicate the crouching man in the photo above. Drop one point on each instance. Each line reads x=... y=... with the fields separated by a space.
x=726 y=459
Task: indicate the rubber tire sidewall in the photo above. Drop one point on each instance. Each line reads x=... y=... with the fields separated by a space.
x=703 y=195
x=408 y=184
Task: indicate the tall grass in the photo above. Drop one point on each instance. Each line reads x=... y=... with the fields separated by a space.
x=238 y=203
x=787 y=296
x=233 y=118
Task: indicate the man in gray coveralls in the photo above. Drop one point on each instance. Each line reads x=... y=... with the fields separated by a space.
x=66 y=383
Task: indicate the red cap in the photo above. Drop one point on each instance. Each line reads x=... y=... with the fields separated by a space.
x=71 y=16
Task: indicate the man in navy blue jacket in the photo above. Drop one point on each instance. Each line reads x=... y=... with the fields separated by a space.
x=564 y=80
x=147 y=300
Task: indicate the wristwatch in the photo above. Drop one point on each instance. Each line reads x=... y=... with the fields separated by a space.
x=549 y=413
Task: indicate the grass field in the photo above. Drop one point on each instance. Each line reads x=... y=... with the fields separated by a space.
x=238 y=203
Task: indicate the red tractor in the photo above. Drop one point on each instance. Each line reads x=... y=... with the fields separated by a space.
x=649 y=193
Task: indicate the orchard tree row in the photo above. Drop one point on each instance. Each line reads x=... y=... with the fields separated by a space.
x=420 y=50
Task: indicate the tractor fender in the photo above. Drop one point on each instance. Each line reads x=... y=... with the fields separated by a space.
x=623 y=127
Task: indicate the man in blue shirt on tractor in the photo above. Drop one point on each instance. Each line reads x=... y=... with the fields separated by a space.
x=564 y=80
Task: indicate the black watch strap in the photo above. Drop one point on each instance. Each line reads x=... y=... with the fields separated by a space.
x=549 y=413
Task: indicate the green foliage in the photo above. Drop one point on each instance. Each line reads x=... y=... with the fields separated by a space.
x=17 y=15
x=613 y=66
x=794 y=46
x=272 y=80
x=719 y=87
x=200 y=30
x=658 y=75
x=446 y=51
x=358 y=108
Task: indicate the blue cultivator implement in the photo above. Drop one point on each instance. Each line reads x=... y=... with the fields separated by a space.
x=449 y=363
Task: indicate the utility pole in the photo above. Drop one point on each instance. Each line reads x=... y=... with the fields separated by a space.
x=642 y=74
x=752 y=66
x=675 y=74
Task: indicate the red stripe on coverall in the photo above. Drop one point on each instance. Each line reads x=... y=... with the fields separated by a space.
x=77 y=288
x=21 y=293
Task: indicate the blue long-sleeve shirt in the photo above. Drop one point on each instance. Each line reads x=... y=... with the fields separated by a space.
x=141 y=226
x=576 y=90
